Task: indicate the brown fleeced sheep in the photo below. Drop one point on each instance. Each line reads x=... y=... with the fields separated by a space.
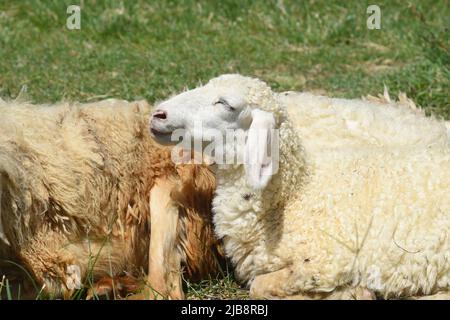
x=84 y=191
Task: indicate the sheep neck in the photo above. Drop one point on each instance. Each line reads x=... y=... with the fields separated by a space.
x=251 y=222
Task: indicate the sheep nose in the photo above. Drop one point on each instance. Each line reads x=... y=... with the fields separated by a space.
x=159 y=114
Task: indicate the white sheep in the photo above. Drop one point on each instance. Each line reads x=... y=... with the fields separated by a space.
x=360 y=203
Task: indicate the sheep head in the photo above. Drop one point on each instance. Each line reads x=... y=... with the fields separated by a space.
x=229 y=103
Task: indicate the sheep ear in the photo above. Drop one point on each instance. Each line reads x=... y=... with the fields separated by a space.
x=259 y=166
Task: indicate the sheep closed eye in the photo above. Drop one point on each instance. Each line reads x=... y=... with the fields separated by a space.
x=224 y=103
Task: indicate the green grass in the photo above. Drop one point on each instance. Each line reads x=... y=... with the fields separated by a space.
x=216 y=288
x=134 y=49
x=150 y=49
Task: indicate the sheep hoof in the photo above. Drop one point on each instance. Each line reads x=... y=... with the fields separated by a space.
x=147 y=294
x=113 y=288
x=352 y=293
x=269 y=285
x=436 y=296
x=73 y=280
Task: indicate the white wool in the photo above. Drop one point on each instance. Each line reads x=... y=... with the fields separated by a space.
x=338 y=123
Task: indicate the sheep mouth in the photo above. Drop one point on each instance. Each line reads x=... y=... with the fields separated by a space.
x=161 y=137
x=156 y=132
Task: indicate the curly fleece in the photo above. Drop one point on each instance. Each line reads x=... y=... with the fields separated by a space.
x=372 y=210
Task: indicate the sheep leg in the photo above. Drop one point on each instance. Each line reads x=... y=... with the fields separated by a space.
x=275 y=285
x=113 y=287
x=270 y=285
x=438 y=296
x=164 y=278
x=349 y=293
x=54 y=268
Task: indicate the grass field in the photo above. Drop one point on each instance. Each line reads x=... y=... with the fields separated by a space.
x=149 y=49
